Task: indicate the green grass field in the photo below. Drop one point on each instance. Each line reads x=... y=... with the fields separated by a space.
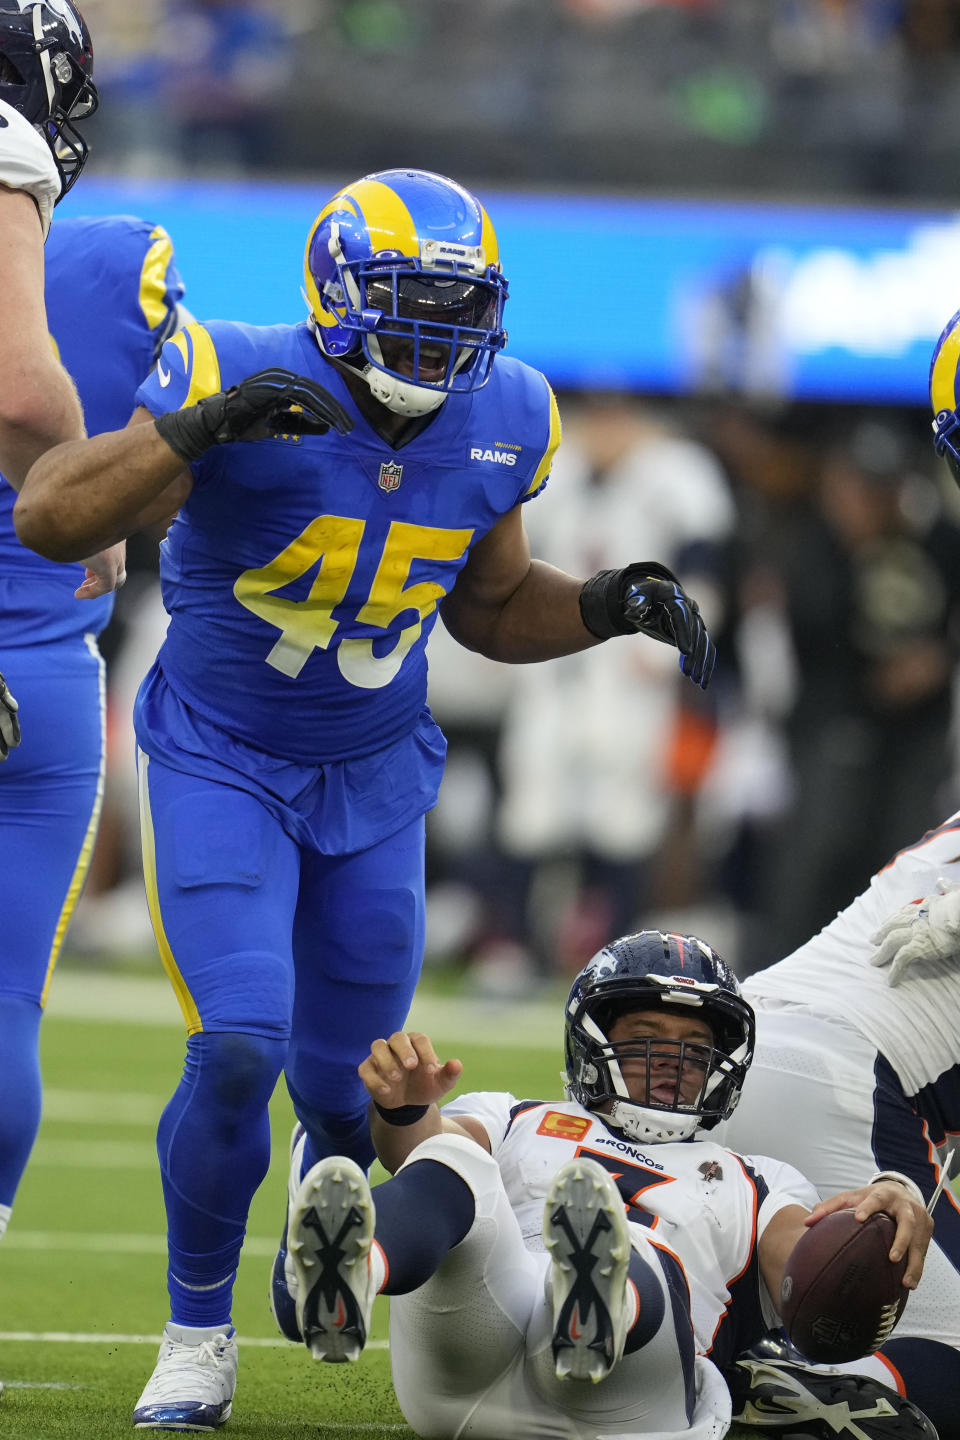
x=82 y=1267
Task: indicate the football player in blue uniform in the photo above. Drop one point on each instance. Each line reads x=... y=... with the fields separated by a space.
x=111 y=296
x=46 y=86
x=287 y=755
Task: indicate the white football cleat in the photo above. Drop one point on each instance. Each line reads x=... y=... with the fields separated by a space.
x=587 y=1235
x=329 y=1240
x=192 y=1386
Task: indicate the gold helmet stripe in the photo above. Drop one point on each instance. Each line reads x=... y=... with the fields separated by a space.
x=943 y=375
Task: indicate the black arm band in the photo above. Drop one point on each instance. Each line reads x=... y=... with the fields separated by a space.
x=191 y=432
x=602 y=596
x=402 y=1114
x=601 y=605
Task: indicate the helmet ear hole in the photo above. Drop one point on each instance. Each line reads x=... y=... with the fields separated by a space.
x=9 y=74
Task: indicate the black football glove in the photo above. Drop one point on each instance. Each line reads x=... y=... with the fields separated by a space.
x=648 y=599
x=272 y=402
x=9 y=723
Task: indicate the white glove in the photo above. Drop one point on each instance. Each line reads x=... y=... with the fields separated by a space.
x=929 y=930
x=9 y=724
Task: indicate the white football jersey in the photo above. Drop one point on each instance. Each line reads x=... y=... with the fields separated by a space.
x=698 y=1202
x=915 y=1025
x=26 y=162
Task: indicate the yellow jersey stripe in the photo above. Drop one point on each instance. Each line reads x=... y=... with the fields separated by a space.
x=943 y=376
x=553 y=441
x=199 y=361
x=86 y=849
x=153 y=278
x=185 y=1000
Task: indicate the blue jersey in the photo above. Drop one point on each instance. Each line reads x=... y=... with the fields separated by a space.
x=303 y=574
x=111 y=292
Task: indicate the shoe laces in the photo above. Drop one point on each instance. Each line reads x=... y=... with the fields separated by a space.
x=180 y=1362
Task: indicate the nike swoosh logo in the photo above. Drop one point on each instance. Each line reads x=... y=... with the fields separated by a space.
x=164 y=376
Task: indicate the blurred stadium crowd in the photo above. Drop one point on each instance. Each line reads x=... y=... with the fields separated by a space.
x=590 y=795
x=838 y=97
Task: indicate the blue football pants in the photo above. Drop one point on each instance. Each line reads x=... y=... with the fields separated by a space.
x=283 y=960
x=51 y=789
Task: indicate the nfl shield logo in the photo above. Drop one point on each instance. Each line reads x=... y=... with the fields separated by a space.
x=389 y=475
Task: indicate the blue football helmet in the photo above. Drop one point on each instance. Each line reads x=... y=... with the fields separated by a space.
x=943 y=395
x=46 y=73
x=642 y=972
x=403 y=282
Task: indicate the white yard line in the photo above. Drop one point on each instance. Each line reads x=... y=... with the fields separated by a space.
x=148 y=1000
x=100 y=1243
x=96 y=1337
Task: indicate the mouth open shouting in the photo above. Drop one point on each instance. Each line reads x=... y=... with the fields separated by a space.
x=428 y=318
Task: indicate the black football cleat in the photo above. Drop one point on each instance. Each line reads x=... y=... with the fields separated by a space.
x=794 y=1400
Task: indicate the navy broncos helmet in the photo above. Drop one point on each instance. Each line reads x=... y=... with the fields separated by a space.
x=46 y=73
x=640 y=972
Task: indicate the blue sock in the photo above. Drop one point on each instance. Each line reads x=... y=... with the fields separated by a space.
x=930 y=1372
x=20 y=1110
x=214 y=1147
x=421 y=1214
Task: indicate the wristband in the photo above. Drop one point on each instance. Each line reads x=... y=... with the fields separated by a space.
x=912 y=1189
x=187 y=431
x=401 y=1114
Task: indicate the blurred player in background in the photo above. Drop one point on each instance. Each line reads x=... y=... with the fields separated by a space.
x=532 y=1246
x=287 y=754
x=111 y=296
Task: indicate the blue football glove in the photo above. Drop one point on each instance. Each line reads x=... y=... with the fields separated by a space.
x=9 y=722
x=647 y=599
x=271 y=402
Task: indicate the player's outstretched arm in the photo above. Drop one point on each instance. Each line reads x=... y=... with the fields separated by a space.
x=86 y=497
x=38 y=403
x=406 y=1081
x=897 y=1198
x=516 y=609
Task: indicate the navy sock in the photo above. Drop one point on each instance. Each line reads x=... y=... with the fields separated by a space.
x=421 y=1214
x=652 y=1308
x=214 y=1146
x=20 y=1112
x=930 y=1372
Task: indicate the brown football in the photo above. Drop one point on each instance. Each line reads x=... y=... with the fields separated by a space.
x=841 y=1294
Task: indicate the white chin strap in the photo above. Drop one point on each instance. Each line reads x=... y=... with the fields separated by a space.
x=403 y=397
x=651 y=1127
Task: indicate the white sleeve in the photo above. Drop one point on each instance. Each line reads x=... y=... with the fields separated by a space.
x=26 y=162
x=785 y=1186
x=491 y=1107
